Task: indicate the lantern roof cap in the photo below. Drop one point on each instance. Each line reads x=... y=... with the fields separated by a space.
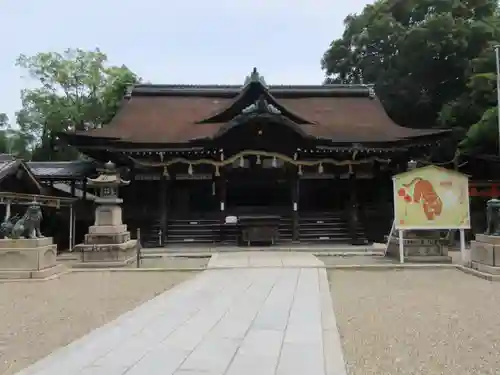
x=109 y=176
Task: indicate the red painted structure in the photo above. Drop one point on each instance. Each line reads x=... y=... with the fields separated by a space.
x=485 y=189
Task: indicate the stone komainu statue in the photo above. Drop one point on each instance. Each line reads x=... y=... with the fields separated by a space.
x=7 y=225
x=28 y=226
x=493 y=217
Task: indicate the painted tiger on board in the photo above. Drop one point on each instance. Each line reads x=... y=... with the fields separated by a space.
x=424 y=192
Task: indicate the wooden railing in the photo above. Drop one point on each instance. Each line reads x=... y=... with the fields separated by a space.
x=43 y=200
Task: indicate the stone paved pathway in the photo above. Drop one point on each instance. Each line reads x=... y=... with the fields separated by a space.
x=274 y=320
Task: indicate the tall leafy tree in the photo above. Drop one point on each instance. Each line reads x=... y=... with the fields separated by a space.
x=4 y=119
x=77 y=91
x=12 y=141
x=478 y=105
x=4 y=136
x=417 y=53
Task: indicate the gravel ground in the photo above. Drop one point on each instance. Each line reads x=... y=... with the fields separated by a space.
x=38 y=317
x=417 y=322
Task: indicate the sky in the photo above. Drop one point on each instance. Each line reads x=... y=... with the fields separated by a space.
x=167 y=41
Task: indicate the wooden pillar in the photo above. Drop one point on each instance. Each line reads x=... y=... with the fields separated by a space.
x=74 y=229
x=84 y=189
x=353 y=210
x=295 y=181
x=7 y=211
x=133 y=175
x=377 y=184
x=163 y=191
x=403 y=165
x=220 y=186
x=72 y=217
x=70 y=239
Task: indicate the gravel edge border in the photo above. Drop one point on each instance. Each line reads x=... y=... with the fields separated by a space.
x=333 y=352
x=345 y=267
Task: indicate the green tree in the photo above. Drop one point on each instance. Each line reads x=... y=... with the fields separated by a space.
x=478 y=104
x=77 y=91
x=12 y=141
x=417 y=53
x=4 y=127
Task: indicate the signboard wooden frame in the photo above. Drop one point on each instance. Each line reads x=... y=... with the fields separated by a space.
x=431 y=198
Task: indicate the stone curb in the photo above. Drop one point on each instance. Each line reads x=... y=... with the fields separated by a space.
x=146 y=255
x=343 y=267
x=361 y=267
x=482 y=275
x=367 y=267
x=332 y=346
x=52 y=277
x=82 y=270
x=237 y=249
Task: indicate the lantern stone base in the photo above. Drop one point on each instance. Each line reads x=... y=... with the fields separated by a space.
x=485 y=254
x=107 y=236
x=420 y=248
x=27 y=258
x=106 y=255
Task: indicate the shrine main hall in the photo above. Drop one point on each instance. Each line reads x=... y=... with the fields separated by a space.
x=254 y=163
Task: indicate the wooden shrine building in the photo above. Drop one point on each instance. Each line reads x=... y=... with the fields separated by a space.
x=302 y=163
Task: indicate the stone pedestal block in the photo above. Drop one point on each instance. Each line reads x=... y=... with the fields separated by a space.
x=28 y=258
x=108 y=242
x=420 y=248
x=107 y=238
x=106 y=255
x=485 y=253
x=107 y=229
x=108 y=215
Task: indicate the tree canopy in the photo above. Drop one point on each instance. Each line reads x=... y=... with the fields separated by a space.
x=77 y=91
x=478 y=104
x=11 y=139
x=4 y=133
x=431 y=61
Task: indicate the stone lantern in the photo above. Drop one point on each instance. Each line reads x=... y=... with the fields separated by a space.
x=108 y=240
x=108 y=212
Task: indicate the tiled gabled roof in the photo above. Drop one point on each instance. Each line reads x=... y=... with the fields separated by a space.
x=175 y=113
x=77 y=169
x=9 y=165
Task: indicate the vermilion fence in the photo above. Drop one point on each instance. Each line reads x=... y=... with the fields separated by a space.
x=484 y=189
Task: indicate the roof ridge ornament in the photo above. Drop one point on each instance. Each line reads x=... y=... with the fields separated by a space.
x=255 y=77
x=261 y=106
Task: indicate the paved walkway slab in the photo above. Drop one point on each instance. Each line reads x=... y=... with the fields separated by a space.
x=249 y=259
x=276 y=321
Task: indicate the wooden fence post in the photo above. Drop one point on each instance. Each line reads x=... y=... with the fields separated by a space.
x=138 y=248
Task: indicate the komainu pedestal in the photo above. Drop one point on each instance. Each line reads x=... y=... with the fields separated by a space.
x=485 y=253
x=108 y=243
x=420 y=247
x=485 y=250
x=28 y=258
x=24 y=252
